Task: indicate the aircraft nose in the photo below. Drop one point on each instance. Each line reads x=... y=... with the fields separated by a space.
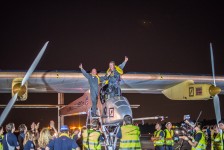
x=213 y=90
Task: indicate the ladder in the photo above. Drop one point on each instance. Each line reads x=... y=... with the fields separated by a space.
x=109 y=130
x=90 y=118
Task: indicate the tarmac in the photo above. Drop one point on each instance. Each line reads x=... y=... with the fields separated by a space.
x=147 y=144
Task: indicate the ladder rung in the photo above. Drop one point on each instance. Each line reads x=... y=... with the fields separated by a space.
x=95 y=117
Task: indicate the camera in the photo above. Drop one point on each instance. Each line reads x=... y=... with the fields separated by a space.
x=186 y=129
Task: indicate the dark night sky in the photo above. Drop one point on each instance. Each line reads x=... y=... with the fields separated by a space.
x=157 y=36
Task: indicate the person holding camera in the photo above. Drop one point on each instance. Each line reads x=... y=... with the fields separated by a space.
x=158 y=138
x=199 y=140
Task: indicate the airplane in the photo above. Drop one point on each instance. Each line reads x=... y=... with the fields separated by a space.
x=173 y=86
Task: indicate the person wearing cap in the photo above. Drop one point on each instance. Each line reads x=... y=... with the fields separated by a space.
x=94 y=81
x=63 y=142
x=10 y=141
x=92 y=137
x=114 y=73
x=1 y=137
x=129 y=135
x=169 y=143
x=158 y=138
x=221 y=126
x=199 y=140
x=22 y=131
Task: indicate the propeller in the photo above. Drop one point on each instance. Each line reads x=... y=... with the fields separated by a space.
x=216 y=97
x=26 y=77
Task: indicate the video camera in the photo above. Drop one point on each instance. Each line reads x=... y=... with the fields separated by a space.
x=186 y=129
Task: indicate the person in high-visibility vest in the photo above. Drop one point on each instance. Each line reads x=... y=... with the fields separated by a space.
x=216 y=139
x=129 y=135
x=199 y=140
x=94 y=81
x=169 y=142
x=221 y=126
x=1 y=137
x=158 y=138
x=92 y=137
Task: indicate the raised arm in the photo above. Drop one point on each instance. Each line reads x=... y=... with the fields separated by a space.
x=87 y=75
x=124 y=63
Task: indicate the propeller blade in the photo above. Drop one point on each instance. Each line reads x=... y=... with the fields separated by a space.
x=212 y=62
x=34 y=64
x=8 y=108
x=217 y=108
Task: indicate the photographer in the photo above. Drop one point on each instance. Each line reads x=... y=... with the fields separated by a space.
x=199 y=141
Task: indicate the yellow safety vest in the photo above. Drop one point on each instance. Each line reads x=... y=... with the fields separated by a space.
x=91 y=140
x=130 y=138
x=201 y=144
x=158 y=142
x=217 y=142
x=1 y=145
x=169 y=137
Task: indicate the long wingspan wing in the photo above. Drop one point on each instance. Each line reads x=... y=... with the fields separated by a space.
x=75 y=82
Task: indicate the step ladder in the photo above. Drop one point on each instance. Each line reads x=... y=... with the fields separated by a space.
x=90 y=118
x=110 y=136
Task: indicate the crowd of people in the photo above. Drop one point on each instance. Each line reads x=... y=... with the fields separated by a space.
x=47 y=138
x=210 y=138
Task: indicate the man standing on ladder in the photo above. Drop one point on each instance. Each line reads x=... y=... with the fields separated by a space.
x=94 y=81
